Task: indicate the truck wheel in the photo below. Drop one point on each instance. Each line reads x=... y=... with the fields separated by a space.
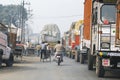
x=90 y=61
x=70 y=55
x=73 y=57
x=9 y=62
x=77 y=58
x=0 y=60
x=81 y=58
x=99 y=68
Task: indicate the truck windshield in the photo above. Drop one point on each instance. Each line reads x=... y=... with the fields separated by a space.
x=108 y=13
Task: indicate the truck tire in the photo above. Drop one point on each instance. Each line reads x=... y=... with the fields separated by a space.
x=77 y=58
x=73 y=57
x=99 y=68
x=90 y=61
x=9 y=62
x=0 y=60
x=81 y=58
x=70 y=55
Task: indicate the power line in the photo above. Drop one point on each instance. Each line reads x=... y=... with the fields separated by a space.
x=56 y=17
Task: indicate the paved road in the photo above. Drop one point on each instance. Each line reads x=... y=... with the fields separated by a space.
x=32 y=69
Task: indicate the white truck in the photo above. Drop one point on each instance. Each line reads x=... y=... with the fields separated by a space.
x=103 y=54
x=6 y=55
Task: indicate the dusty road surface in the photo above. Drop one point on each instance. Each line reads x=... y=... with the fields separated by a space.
x=32 y=69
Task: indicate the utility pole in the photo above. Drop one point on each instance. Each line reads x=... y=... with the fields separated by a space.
x=23 y=22
x=19 y=23
x=29 y=16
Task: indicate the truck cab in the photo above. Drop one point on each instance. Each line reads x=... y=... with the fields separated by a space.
x=103 y=26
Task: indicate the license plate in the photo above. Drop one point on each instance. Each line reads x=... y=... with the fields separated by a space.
x=58 y=56
x=105 y=62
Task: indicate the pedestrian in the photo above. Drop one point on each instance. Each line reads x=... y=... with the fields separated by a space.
x=38 y=49
x=43 y=50
x=25 y=49
x=48 y=50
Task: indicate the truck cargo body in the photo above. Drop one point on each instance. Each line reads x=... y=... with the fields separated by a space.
x=87 y=22
x=51 y=34
x=103 y=54
x=6 y=54
x=117 y=39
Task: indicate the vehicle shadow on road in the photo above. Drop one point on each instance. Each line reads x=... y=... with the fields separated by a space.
x=114 y=75
x=23 y=62
x=24 y=65
x=64 y=64
x=15 y=68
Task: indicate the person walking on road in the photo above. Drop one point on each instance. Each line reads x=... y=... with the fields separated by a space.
x=48 y=48
x=38 y=48
x=43 y=50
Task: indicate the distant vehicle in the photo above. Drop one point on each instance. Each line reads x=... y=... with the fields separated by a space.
x=50 y=33
x=72 y=40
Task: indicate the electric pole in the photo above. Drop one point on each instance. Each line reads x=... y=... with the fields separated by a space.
x=29 y=16
x=23 y=21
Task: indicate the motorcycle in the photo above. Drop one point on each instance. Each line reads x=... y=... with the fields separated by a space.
x=59 y=59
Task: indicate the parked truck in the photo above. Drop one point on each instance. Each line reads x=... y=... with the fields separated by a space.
x=84 y=45
x=7 y=44
x=78 y=39
x=99 y=34
x=80 y=42
x=72 y=40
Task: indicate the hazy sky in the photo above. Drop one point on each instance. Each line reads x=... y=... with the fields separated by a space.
x=60 y=12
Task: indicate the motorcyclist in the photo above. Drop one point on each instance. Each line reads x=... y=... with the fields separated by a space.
x=59 y=49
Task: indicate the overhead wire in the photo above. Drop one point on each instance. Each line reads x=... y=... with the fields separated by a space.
x=56 y=17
